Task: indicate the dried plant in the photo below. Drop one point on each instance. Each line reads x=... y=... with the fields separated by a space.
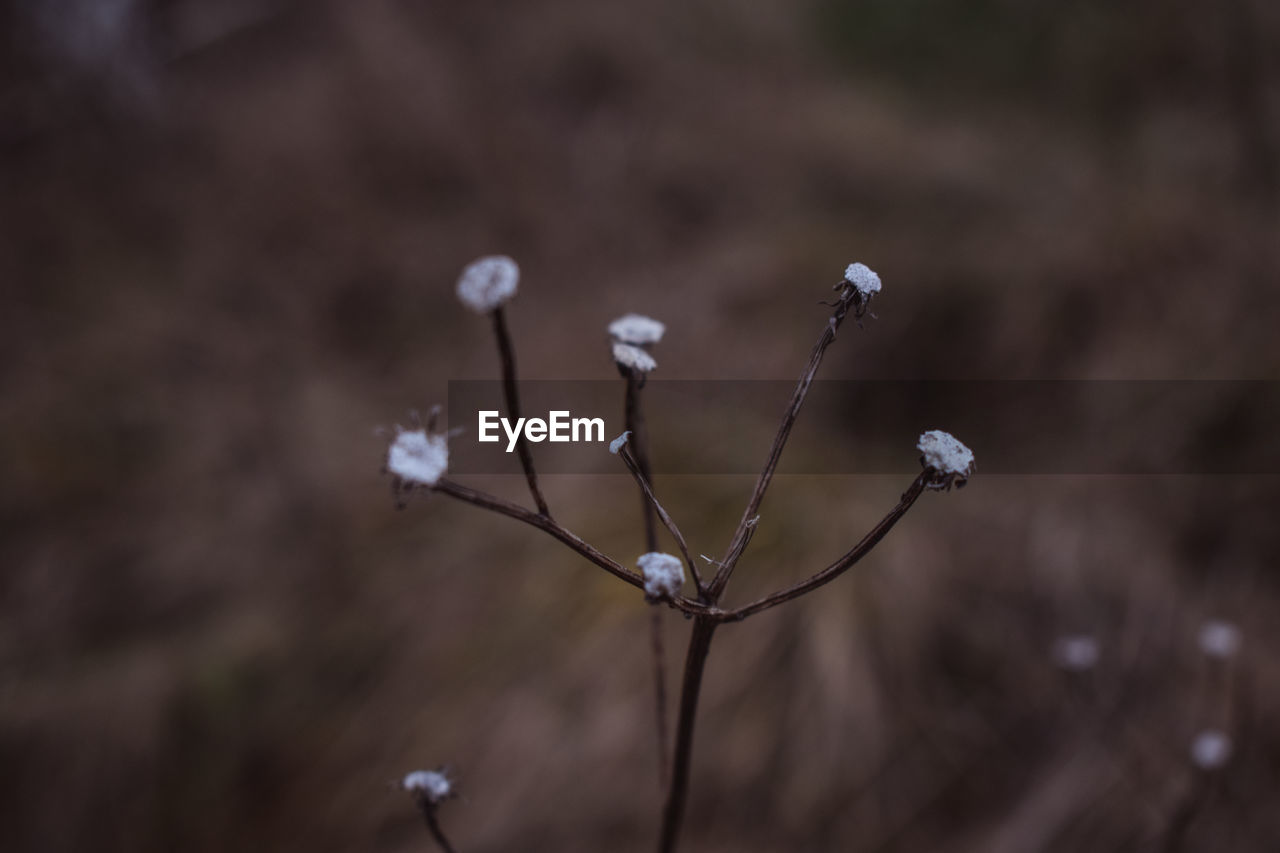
x=418 y=461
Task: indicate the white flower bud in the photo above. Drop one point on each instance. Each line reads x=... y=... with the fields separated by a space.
x=862 y=279
x=617 y=443
x=633 y=357
x=488 y=283
x=636 y=329
x=418 y=457
x=663 y=574
x=942 y=452
x=431 y=785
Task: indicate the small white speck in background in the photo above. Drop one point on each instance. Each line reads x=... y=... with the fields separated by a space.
x=1210 y=749
x=1076 y=652
x=1219 y=638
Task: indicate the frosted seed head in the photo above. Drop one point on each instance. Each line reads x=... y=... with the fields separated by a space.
x=417 y=457
x=1211 y=749
x=862 y=279
x=430 y=785
x=1076 y=652
x=663 y=574
x=636 y=329
x=488 y=283
x=1219 y=639
x=949 y=460
x=617 y=443
x=634 y=358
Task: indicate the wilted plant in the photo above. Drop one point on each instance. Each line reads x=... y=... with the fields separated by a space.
x=419 y=461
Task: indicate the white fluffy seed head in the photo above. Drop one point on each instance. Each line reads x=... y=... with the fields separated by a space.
x=944 y=453
x=862 y=279
x=1076 y=652
x=633 y=357
x=418 y=457
x=1211 y=749
x=637 y=329
x=432 y=785
x=1219 y=639
x=663 y=574
x=488 y=283
x=617 y=443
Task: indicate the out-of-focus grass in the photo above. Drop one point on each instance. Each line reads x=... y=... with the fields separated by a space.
x=216 y=632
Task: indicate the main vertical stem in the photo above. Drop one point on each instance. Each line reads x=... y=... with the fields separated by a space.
x=695 y=661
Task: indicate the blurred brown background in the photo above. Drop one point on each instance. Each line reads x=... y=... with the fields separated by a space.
x=230 y=236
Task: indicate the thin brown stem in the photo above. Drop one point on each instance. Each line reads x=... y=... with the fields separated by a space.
x=433 y=826
x=568 y=538
x=654 y=504
x=841 y=565
x=633 y=417
x=656 y=647
x=848 y=300
x=512 y=392
x=639 y=465
x=677 y=793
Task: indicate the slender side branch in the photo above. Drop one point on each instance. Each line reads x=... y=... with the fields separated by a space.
x=847 y=301
x=433 y=827
x=568 y=538
x=841 y=565
x=512 y=393
x=633 y=417
x=639 y=465
x=652 y=502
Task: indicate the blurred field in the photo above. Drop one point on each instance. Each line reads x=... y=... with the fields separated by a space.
x=230 y=236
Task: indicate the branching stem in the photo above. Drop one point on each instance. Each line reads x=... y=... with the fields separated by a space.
x=841 y=565
x=846 y=302
x=706 y=612
x=654 y=504
x=568 y=538
x=511 y=391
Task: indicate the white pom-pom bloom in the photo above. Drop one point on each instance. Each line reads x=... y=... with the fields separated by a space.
x=637 y=329
x=1219 y=639
x=617 y=443
x=488 y=283
x=663 y=574
x=418 y=457
x=432 y=785
x=862 y=279
x=1076 y=652
x=1211 y=749
x=633 y=357
x=944 y=453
